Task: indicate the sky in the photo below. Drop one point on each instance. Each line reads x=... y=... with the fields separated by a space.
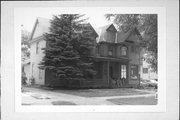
x=27 y=17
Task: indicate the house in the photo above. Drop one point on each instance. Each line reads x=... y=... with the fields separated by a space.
x=147 y=73
x=116 y=54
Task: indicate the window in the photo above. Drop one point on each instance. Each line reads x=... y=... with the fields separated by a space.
x=37 y=47
x=124 y=51
x=123 y=71
x=134 y=72
x=40 y=73
x=145 y=70
x=110 y=50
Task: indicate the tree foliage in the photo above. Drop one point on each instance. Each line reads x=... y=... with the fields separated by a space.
x=147 y=25
x=69 y=44
x=25 y=44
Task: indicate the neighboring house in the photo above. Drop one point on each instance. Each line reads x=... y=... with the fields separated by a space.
x=116 y=54
x=146 y=71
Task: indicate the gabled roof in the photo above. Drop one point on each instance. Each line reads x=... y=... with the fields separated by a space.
x=42 y=24
x=102 y=31
x=122 y=36
x=94 y=31
x=109 y=27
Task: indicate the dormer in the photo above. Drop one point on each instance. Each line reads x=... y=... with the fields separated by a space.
x=107 y=34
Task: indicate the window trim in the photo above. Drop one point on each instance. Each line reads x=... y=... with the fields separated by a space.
x=121 y=48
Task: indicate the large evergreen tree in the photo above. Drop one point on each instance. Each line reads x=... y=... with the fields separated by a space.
x=69 y=44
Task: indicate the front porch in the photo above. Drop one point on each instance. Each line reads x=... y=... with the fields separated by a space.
x=111 y=73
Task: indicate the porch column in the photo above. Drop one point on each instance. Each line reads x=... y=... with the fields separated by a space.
x=119 y=70
x=128 y=72
x=108 y=72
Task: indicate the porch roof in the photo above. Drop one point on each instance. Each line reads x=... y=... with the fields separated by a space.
x=121 y=59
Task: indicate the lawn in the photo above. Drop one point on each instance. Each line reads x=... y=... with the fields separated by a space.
x=102 y=92
x=62 y=103
x=134 y=101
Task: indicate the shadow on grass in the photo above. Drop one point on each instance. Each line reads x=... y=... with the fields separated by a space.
x=62 y=103
x=26 y=104
x=134 y=101
x=102 y=92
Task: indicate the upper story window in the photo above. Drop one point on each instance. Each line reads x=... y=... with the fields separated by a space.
x=37 y=47
x=124 y=51
x=110 y=50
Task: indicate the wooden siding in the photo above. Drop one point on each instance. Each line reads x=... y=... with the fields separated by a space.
x=107 y=36
x=110 y=36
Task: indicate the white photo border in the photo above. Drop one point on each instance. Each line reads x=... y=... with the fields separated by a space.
x=160 y=107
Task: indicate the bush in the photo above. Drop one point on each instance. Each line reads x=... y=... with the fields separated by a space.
x=153 y=85
x=140 y=87
x=23 y=79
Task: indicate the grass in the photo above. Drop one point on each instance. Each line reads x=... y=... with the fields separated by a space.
x=62 y=103
x=134 y=101
x=102 y=92
x=25 y=104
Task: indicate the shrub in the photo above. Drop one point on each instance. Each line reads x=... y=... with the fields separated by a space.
x=23 y=79
x=32 y=80
x=140 y=87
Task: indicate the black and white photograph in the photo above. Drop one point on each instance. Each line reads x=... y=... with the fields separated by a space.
x=89 y=59
x=95 y=60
